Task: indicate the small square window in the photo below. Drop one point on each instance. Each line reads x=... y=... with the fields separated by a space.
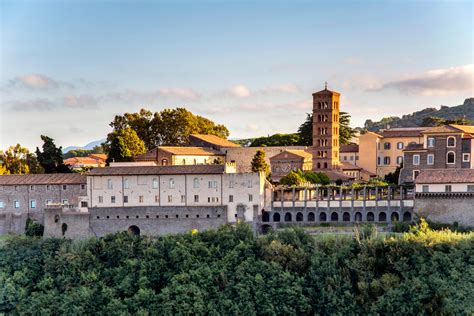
x=250 y=197
x=231 y=198
x=466 y=157
x=48 y=187
x=470 y=188
x=448 y=188
x=83 y=186
x=112 y=199
x=140 y=199
x=64 y=187
x=65 y=202
x=2 y=204
x=170 y=198
x=125 y=199
x=157 y=199
x=33 y=203
x=196 y=198
x=101 y=199
x=426 y=188
x=416 y=160
x=16 y=204
x=32 y=187
x=49 y=202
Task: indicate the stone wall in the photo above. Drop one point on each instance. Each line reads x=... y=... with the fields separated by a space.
x=68 y=224
x=447 y=208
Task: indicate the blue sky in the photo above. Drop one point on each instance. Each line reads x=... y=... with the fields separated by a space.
x=67 y=67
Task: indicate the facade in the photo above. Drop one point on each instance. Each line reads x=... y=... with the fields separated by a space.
x=443 y=147
x=349 y=154
x=285 y=162
x=23 y=196
x=178 y=155
x=446 y=195
x=325 y=148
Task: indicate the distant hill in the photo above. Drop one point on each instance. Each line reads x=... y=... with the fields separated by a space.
x=89 y=146
x=415 y=119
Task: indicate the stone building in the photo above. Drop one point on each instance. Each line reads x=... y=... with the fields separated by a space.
x=211 y=141
x=290 y=160
x=349 y=154
x=443 y=147
x=181 y=155
x=27 y=196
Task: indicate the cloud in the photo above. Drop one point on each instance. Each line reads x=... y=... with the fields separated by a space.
x=182 y=93
x=82 y=101
x=37 y=82
x=240 y=91
x=38 y=104
x=45 y=105
x=185 y=94
x=435 y=82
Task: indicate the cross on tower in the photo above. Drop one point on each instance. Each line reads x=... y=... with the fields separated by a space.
x=325 y=85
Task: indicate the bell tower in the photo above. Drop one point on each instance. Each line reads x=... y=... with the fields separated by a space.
x=325 y=147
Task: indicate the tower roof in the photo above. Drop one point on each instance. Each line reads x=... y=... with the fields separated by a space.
x=326 y=92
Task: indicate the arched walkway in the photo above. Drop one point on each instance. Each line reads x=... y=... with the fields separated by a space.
x=265 y=217
x=370 y=217
x=134 y=230
x=322 y=217
x=299 y=217
x=358 y=217
x=394 y=217
x=288 y=217
x=382 y=217
x=346 y=217
x=407 y=217
x=334 y=217
x=310 y=217
x=276 y=217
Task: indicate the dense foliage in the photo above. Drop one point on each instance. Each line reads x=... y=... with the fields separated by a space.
x=461 y=114
x=51 y=157
x=299 y=177
x=83 y=152
x=18 y=160
x=122 y=145
x=259 y=164
x=230 y=271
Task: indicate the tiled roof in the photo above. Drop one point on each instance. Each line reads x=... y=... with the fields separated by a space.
x=349 y=148
x=158 y=170
x=98 y=156
x=402 y=132
x=348 y=166
x=335 y=175
x=294 y=152
x=191 y=151
x=445 y=176
x=326 y=91
x=50 y=178
x=450 y=129
x=83 y=161
x=465 y=128
x=216 y=140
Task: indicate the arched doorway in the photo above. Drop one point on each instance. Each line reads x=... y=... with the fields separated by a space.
x=134 y=230
x=310 y=217
x=265 y=217
x=288 y=217
x=299 y=217
x=370 y=217
x=322 y=217
x=382 y=217
x=346 y=217
x=276 y=217
x=358 y=217
x=394 y=217
x=407 y=217
x=334 y=217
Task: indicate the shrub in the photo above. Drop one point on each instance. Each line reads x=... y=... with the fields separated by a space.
x=33 y=228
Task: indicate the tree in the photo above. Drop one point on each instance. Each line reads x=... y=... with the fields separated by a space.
x=259 y=164
x=277 y=140
x=51 y=158
x=83 y=152
x=305 y=131
x=18 y=160
x=438 y=121
x=123 y=145
x=170 y=127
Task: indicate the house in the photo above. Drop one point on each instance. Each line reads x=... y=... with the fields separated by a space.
x=93 y=160
x=211 y=141
x=180 y=155
x=349 y=153
x=289 y=160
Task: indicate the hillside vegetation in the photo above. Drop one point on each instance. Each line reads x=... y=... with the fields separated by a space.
x=232 y=272
x=465 y=110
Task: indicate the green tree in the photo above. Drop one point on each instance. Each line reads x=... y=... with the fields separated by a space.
x=83 y=152
x=18 y=160
x=438 y=121
x=277 y=140
x=258 y=162
x=123 y=145
x=51 y=158
x=306 y=131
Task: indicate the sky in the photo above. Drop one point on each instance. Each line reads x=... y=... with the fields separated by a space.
x=67 y=67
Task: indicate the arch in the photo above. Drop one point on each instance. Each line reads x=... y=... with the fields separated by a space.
x=164 y=162
x=134 y=230
x=334 y=217
x=56 y=218
x=407 y=217
x=394 y=217
x=370 y=217
x=310 y=217
x=299 y=217
x=64 y=228
x=382 y=217
x=265 y=217
x=322 y=217
x=358 y=217
x=450 y=157
x=319 y=165
x=346 y=217
x=325 y=165
x=276 y=217
x=266 y=229
x=451 y=141
x=287 y=217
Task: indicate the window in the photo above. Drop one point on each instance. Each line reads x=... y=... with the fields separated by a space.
x=430 y=159
x=415 y=174
x=466 y=157
x=184 y=161
x=125 y=199
x=48 y=187
x=65 y=202
x=451 y=141
x=164 y=162
x=49 y=202
x=212 y=184
x=231 y=198
x=416 y=160
x=101 y=199
x=425 y=188
x=83 y=203
x=157 y=199
x=470 y=188
x=450 y=157
x=399 y=160
x=32 y=187
x=183 y=198
x=154 y=183
x=344 y=158
x=196 y=199
x=170 y=198
x=386 y=160
x=249 y=183
x=386 y=146
x=140 y=199
x=112 y=199
x=171 y=183
x=196 y=183
x=16 y=204
x=250 y=197
x=448 y=188
x=351 y=158
x=400 y=145
x=109 y=184
x=430 y=141
x=64 y=187
x=83 y=186
x=231 y=184
x=33 y=203
x=126 y=184
x=2 y=204
x=378 y=161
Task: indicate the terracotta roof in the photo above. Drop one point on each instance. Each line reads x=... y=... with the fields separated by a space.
x=335 y=175
x=216 y=140
x=450 y=129
x=83 y=161
x=446 y=176
x=295 y=152
x=326 y=91
x=158 y=170
x=191 y=151
x=98 y=156
x=50 y=178
x=349 y=148
x=402 y=132
x=348 y=166
x=465 y=128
